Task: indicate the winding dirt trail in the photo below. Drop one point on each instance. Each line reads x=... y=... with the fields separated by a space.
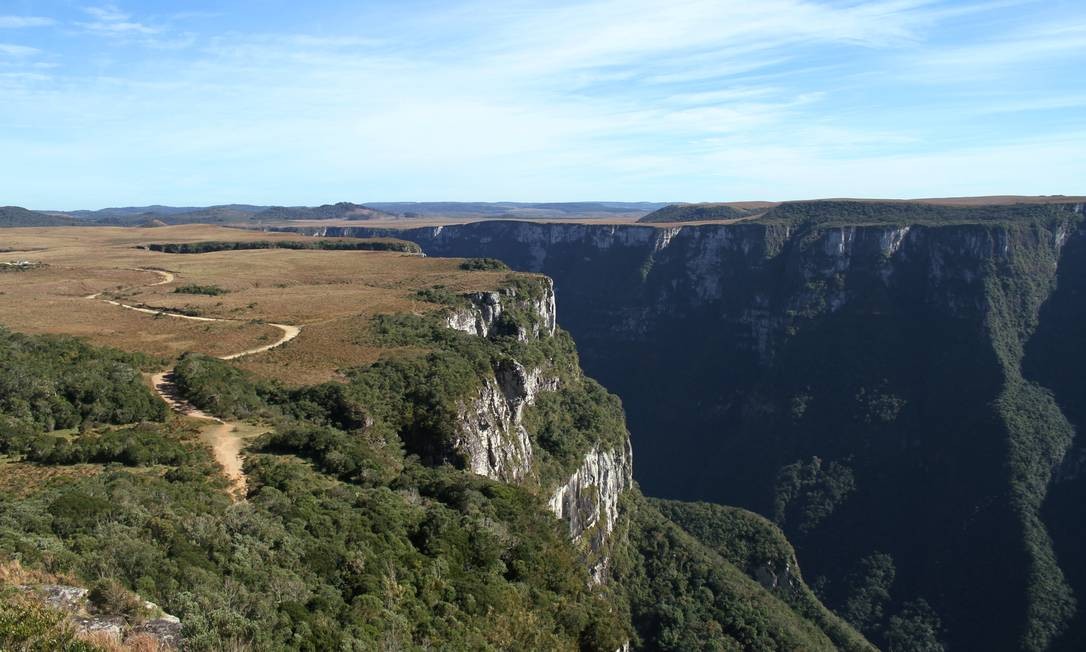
x=289 y=333
x=225 y=444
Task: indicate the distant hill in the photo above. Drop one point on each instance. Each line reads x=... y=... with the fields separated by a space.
x=340 y=211
x=232 y=213
x=696 y=213
x=18 y=216
x=159 y=210
x=514 y=209
x=210 y=215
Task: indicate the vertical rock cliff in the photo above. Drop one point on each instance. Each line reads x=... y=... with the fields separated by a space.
x=495 y=442
x=589 y=500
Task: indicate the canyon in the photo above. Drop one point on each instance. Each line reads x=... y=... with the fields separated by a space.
x=896 y=386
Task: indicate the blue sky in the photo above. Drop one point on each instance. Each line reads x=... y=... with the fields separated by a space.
x=280 y=102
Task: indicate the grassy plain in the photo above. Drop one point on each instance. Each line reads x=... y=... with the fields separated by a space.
x=331 y=295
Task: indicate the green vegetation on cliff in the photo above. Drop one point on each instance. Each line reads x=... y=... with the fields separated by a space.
x=419 y=398
x=483 y=265
x=388 y=553
x=758 y=548
x=842 y=212
x=687 y=594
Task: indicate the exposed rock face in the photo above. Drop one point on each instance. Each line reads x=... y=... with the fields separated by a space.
x=487 y=307
x=493 y=440
x=111 y=626
x=779 y=580
x=495 y=443
x=164 y=629
x=65 y=598
x=588 y=502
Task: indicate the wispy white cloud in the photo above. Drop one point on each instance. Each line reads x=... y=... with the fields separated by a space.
x=991 y=58
x=110 y=20
x=25 y=76
x=683 y=34
x=15 y=22
x=17 y=50
x=997 y=105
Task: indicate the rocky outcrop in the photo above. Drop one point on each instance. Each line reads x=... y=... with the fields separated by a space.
x=163 y=629
x=493 y=441
x=486 y=309
x=588 y=503
x=782 y=580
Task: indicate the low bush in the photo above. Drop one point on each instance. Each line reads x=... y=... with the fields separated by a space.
x=206 y=290
x=483 y=265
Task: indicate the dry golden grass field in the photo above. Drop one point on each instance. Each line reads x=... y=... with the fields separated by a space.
x=330 y=295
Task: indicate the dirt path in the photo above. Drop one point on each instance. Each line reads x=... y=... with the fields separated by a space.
x=225 y=444
x=289 y=333
x=167 y=277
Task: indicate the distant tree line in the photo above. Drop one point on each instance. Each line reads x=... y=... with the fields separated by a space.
x=334 y=245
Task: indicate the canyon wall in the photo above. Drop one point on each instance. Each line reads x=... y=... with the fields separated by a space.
x=901 y=395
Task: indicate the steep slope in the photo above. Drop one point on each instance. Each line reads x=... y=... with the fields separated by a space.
x=858 y=378
x=757 y=547
x=1055 y=357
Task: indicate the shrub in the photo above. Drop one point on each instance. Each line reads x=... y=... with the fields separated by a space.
x=218 y=387
x=483 y=265
x=59 y=382
x=31 y=627
x=111 y=598
x=206 y=290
